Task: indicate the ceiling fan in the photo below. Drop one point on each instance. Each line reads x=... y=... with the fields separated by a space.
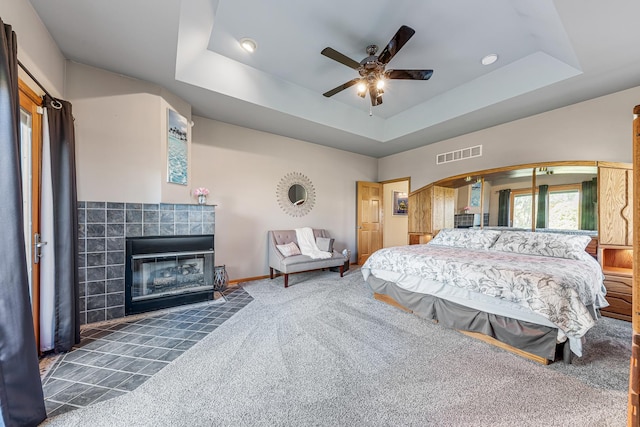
x=372 y=68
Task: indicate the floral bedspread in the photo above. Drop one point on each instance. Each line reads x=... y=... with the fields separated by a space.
x=557 y=288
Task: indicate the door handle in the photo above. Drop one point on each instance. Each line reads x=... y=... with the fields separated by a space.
x=37 y=248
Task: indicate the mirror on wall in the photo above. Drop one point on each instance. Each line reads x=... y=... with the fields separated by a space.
x=565 y=197
x=295 y=194
x=509 y=198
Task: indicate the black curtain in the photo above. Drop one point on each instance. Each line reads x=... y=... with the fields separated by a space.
x=541 y=215
x=21 y=399
x=589 y=206
x=65 y=223
x=504 y=201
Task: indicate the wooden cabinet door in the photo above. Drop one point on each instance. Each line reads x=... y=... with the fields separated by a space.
x=426 y=201
x=443 y=208
x=615 y=206
x=420 y=211
x=413 y=213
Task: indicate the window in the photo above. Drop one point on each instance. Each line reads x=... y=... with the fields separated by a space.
x=563 y=208
x=521 y=209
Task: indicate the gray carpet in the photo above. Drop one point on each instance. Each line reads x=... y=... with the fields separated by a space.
x=323 y=352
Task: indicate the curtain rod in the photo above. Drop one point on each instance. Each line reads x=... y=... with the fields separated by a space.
x=54 y=103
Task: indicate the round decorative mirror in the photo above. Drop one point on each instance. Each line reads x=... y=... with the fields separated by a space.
x=296 y=194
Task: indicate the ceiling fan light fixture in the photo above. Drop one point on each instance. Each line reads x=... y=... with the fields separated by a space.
x=372 y=68
x=489 y=59
x=248 y=44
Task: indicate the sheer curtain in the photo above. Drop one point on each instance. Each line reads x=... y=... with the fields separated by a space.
x=21 y=398
x=47 y=262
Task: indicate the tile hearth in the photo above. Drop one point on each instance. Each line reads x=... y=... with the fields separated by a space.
x=116 y=357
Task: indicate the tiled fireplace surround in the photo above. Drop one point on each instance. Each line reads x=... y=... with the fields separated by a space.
x=103 y=228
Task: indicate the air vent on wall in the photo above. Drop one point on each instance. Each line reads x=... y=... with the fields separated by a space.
x=463 y=153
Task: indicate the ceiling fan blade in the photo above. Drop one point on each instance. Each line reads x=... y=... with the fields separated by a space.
x=343 y=59
x=409 y=74
x=402 y=36
x=376 y=97
x=341 y=87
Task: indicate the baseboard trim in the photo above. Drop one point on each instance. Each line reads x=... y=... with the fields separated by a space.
x=276 y=274
x=247 y=279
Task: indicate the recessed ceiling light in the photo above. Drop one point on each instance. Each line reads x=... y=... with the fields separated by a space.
x=489 y=59
x=248 y=44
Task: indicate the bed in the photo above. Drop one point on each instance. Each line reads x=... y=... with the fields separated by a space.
x=532 y=292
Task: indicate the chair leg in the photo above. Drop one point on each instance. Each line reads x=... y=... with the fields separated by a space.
x=341 y=270
x=271 y=273
x=286 y=280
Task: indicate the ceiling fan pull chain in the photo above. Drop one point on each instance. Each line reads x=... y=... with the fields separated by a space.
x=370 y=111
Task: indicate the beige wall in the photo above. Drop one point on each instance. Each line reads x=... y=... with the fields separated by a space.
x=121 y=137
x=396 y=227
x=598 y=129
x=36 y=48
x=121 y=157
x=242 y=168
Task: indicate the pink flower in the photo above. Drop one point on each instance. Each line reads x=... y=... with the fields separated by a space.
x=201 y=191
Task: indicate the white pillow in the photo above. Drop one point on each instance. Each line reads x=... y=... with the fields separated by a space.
x=570 y=246
x=290 y=249
x=469 y=238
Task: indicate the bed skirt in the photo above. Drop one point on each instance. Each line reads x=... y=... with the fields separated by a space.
x=539 y=340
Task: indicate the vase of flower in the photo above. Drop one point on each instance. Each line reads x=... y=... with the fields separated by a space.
x=201 y=193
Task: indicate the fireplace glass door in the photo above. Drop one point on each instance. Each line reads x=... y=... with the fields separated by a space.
x=162 y=272
x=161 y=275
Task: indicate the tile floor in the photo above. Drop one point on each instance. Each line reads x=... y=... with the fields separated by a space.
x=116 y=357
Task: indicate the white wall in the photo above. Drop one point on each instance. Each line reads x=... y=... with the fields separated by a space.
x=395 y=231
x=121 y=137
x=36 y=48
x=242 y=168
x=598 y=129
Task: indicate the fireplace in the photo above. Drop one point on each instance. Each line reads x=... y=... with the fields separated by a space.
x=163 y=272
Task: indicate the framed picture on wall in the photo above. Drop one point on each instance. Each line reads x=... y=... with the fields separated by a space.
x=475 y=194
x=400 y=203
x=177 y=148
